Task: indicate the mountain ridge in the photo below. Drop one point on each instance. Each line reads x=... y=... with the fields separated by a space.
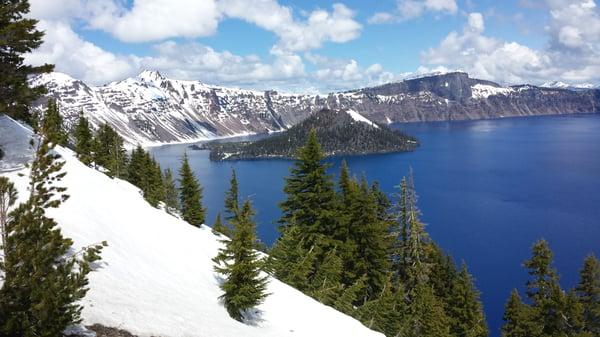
x=150 y=109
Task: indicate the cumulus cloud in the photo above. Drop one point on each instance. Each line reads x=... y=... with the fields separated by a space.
x=572 y=53
x=77 y=57
x=410 y=9
x=296 y=35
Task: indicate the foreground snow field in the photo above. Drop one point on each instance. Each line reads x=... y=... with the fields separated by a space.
x=156 y=276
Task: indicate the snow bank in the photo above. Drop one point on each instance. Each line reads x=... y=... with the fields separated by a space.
x=480 y=91
x=156 y=276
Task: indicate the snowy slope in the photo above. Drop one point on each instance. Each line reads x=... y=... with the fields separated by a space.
x=156 y=276
x=480 y=91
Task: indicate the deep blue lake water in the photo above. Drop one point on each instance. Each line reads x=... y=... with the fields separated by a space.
x=488 y=189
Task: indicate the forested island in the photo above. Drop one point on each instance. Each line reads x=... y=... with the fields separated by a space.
x=340 y=132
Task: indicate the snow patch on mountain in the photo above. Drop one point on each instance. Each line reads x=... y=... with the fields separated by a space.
x=480 y=91
x=156 y=276
x=563 y=85
x=360 y=118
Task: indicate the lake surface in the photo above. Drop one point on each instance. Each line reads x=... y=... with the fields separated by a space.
x=488 y=189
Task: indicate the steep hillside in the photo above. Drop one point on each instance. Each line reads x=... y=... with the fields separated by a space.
x=156 y=276
x=151 y=109
x=340 y=132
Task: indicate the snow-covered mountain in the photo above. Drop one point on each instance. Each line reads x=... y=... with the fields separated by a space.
x=156 y=275
x=151 y=109
x=563 y=85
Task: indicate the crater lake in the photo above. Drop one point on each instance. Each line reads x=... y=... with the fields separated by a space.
x=488 y=190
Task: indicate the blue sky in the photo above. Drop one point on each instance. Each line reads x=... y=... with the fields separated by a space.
x=316 y=45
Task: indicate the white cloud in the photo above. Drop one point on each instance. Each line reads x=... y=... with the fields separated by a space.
x=320 y=25
x=77 y=57
x=410 y=9
x=152 y=20
x=572 y=54
x=196 y=61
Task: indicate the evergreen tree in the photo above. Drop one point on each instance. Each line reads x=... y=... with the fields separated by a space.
x=190 y=195
x=155 y=189
x=218 y=226
x=232 y=197
x=109 y=152
x=18 y=37
x=137 y=168
x=385 y=312
x=84 y=140
x=52 y=124
x=244 y=287
x=371 y=241
x=464 y=308
x=415 y=267
x=231 y=203
x=326 y=282
x=588 y=291
x=43 y=280
x=519 y=319
x=425 y=315
x=289 y=261
x=345 y=303
x=310 y=197
x=171 y=196
x=8 y=197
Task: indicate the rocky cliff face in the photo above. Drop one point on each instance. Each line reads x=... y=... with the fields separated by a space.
x=151 y=109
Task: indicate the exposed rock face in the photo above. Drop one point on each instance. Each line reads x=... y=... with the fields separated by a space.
x=151 y=109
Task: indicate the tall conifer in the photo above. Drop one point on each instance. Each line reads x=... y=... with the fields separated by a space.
x=190 y=195
x=243 y=288
x=18 y=37
x=84 y=140
x=43 y=279
x=588 y=291
x=171 y=195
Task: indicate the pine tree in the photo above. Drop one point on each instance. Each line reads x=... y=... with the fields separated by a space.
x=171 y=196
x=218 y=226
x=52 y=124
x=232 y=198
x=18 y=37
x=244 y=288
x=425 y=316
x=311 y=199
x=464 y=308
x=415 y=266
x=84 y=140
x=371 y=241
x=289 y=261
x=385 y=312
x=8 y=197
x=43 y=279
x=326 y=283
x=190 y=195
x=519 y=319
x=345 y=303
x=231 y=203
x=109 y=152
x=155 y=189
x=137 y=168
x=588 y=291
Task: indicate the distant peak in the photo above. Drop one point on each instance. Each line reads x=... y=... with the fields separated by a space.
x=150 y=76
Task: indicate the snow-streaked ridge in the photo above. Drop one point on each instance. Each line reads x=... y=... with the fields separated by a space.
x=156 y=276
